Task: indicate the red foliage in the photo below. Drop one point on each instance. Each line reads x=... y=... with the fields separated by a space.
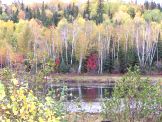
x=57 y=61
x=19 y=58
x=92 y=62
x=15 y=58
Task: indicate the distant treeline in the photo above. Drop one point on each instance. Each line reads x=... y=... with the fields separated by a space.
x=98 y=36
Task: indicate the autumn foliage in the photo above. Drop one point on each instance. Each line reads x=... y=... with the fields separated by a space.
x=57 y=61
x=91 y=63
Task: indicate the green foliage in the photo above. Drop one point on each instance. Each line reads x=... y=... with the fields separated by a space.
x=159 y=49
x=108 y=64
x=1 y=10
x=71 y=12
x=2 y=92
x=132 y=58
x=122 y=60
x=56 y=18
x=48 y=67
x=4 y=16
x=28 y=13
x=133 y=99
x=100 y=12
x=43 y=14
x=146 y=5
x=87 y=11
x=6 y=73
x=14 y=17
x=112 y=8
x=131 y=12
x=153 y=15
x=63 y=32
x=64 y=68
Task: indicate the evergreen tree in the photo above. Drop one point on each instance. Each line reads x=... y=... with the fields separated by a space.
x=158 y=6
x=132 y=57
x=68 y=13
x=87 y=11
x=48 y=22
x=108 y=64
x=28 y=13
x=71 y=12
x=38 y=14
x=131 y=12
x=56 y=18
x=158 y=56
x=146 y=5
x=152 y=5
x=14 y=17
x=110 y=13
x=22 y=6
x=100 y=11
x=122 y=60
x=160 y=49
x=43 y=14
x=75 y=11
x=1 y=10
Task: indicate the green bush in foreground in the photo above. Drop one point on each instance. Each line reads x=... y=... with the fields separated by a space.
x=20 y=105
x=134 y=99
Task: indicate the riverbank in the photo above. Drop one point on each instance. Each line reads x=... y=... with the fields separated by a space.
x=96 y=78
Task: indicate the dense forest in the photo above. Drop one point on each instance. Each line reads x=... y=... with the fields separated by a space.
x=95 y=37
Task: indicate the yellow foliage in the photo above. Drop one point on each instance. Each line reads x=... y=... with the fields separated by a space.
x=62 y=23
x=122 y=17
x=123 y=8
x=24 y=106
x=80 y=21
x=49 y=14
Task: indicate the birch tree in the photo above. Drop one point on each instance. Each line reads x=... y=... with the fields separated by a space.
x=146 y=42
x=63 y=28
x=81 y=43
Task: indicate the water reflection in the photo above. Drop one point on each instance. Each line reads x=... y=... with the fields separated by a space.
x=84 y=93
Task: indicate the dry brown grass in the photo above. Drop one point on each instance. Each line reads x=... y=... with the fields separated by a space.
x=83 y=117
x=96 y=78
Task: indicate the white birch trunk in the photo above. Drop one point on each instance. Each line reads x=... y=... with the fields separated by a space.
x=80 y=63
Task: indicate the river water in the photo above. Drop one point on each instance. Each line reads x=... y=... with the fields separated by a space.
x=83 y=97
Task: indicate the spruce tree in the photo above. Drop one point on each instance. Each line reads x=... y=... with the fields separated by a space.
x=22 y=6
x=158 y=56
x=100 y=12
x=14 y=17
x=132 y=57
x=1 y=10
x=158 y=6
x=43 y=14
x=38 y=14
x=28 y=13
x=71 y=12
x=75 y=11
x=108 y=65
x=56 y=18
x=152 y=5
x=87 y=11
x=146 y=5
x=122 y=60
